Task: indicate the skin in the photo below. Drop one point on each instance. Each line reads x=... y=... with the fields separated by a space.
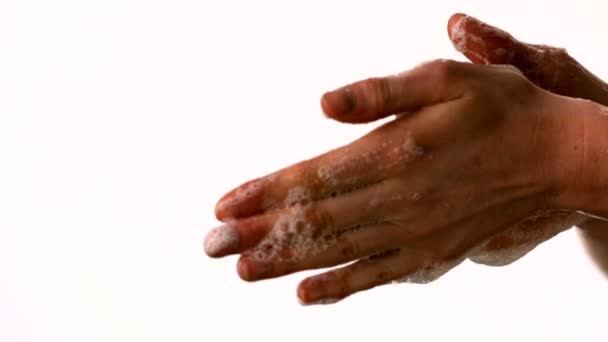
x=550 y=68
x=424 y=189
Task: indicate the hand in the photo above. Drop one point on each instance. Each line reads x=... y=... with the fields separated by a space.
x=550 y=68
x=475 y=154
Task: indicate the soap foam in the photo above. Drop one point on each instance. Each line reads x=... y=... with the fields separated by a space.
x=327 y=176
x=414 y=196
x=430 y=272
x=527 y=235
x=298 y=195
x=502 y=257
x=461 y=38
x=292 y=235
x=539 y=228
x=410 y=148
x=221 y=238
x=401 y=153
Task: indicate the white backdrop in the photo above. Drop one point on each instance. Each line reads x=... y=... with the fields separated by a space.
x=123 y=121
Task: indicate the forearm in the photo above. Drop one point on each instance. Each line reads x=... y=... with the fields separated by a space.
x=582 y=162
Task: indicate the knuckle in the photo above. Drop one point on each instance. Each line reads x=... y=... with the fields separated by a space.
x=443 y=73
x=381 y=92
x=320 y=218
x=517 y=86
x=447 y=69
x=559 y=55
x=350 y=249
x=507 y=83
x=510 y=68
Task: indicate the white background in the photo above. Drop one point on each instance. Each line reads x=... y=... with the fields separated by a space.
x=123 y=121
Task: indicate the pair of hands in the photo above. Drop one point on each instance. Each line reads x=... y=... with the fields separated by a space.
x=473 y=166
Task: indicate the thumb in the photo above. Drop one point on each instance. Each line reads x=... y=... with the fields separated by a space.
x=376 y=98
x=548 y=67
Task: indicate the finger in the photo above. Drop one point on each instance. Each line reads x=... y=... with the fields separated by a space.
x=238 y=235
x=356 y=166
x=290 y=228
x=366 y=206
x=354 y=226
x=263 y=263
x=381 y=202
x=445 y=247
x=315 y=246
x=549 y=67
x=343 y=209
x=362 y=275
x=485 y=44
x=376 y=98
x=482 y=43
x=409 y=265
x=339 y=171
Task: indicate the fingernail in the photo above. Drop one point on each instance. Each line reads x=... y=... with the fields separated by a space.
x=221 y=240
x=338 y=102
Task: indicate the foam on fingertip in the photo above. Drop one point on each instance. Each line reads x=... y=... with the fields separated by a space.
x=221 y=240
x=468 y=31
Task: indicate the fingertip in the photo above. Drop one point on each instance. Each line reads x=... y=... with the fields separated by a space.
x=243 y=269
x=326 y=108
x=459 y=31
x=338 y=103
x=453 y=21
x=480 y=42
x=222 y=212
x=302 y=294
x=228 y=206
x=221 y=241
x=308 y=295
x=311 y=288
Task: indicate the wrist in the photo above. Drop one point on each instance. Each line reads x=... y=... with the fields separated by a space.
x=582 y=157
